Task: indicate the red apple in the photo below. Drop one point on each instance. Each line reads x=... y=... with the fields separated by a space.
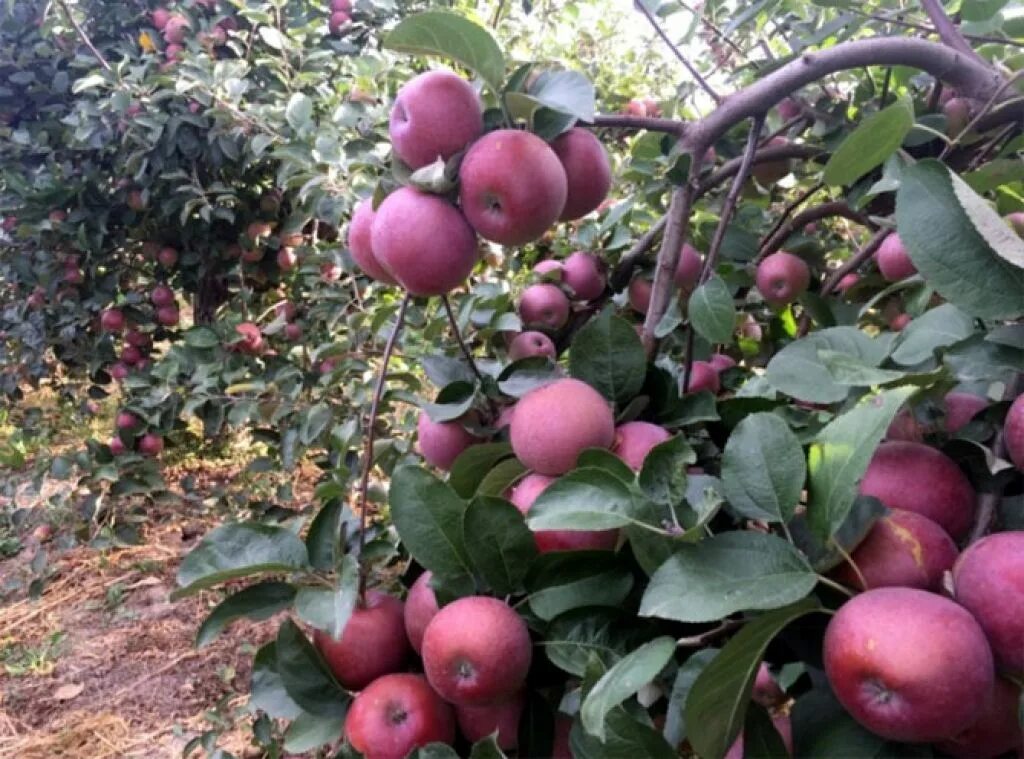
x=689 y=268
x=287 y=259
x=476 y=650
x=126 y=420
x=1013 y=432
x=372 y=644
x=116 y=445
x=766 y=691
x=909 y=665
x=782 y=278
x=893 y=259
x=420 y=608
x=544 y=305
x=359 y=243
x=477 y=722
x=440 y=443
x=529 y=344
x=703 y=376
x=435 y=115
x=640 y=294
x=168 y=316
x=996 y=732
x=131 y=355
x=151 y=444
x=584 y=273
x=119 y=372
x=162 y=295
x=396 y=714
x=721 y=362
x=587 y=170
x=167 y=257
x=634 y=440
x=523 y=495
x=112 y=320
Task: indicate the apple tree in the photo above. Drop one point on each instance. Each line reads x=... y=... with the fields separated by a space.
x=698 y=416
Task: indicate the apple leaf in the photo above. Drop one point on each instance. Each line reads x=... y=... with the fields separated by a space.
x=936 y=328
x=958 y=244
x=305 y=675
x=310 y=731
x=451 y=36
x=329 y=609
x=584 y=499
x=866 y=147
x=266 y=689
x=428 y=516
x=563 y=580
x=712 y=311
x=474 y=464
x=607 y=354
x=763 y=468
x=498 y=542
x=258 y=602
x=718 y=701
x=799 y=370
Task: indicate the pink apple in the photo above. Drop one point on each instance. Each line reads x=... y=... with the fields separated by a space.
x=893 y=259
x=526 y=491
x=587 y=170
x=689 y=268
x=359 y=243
x=440 y=443
x=530 y=344
x=372 y=644
x=396 y=714
x=112 y=320
x=703 y=376
x=544 y=305
x=584 y=274
x=420 y=608
x=634 y=440
x=435 y=115
x=782 y=278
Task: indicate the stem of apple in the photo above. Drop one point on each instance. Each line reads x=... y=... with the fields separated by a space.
x=364 y=483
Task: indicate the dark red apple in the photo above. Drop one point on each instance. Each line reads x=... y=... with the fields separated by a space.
x=396 y=714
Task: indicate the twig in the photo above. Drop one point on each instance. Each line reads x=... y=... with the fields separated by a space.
x=786 y=127
x=675 y=50
x=802 y=219
x=902 y=22
x=774 y=153
x=728 y=207
x=651 y=124
x=83 y=36
x=364 y=483
x=497 y=13
x=989 y=104
x=885 y=87
x=982 y=154
x=676 y=228
x=985 y=516
x=458 y=337
x=699 y=641
x=788 y=210
x=947 y=30
x=715 y=30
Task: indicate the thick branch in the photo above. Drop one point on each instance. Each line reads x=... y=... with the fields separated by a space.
x=952 y=67
x=675 y=50
x=671 y=245
x=947 y=30
x=802 y=219
x=364 y=483
x=651 y=124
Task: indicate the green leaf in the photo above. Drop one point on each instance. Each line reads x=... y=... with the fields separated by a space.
x=434 y=751
x=568 y=92
x=959 y=245
x=938 y=328
x=428 y=516
x=299 y=110
x=329 y=609
x=486 y=748
x=625 y=737
x=305 y=675
x=324 y=535
x=584 y=499
x=273 y=37
x=875 y=139
x=239 y=550
x=314 y=422
x=499 y=543
x=826 y=555
x=727 y=573
x=821 y=727
x=564 y=580
x=310 y=731
x=497 y=481
x=574 y=637
x=840 y=455
x=855 y=372
x=994 y=174
x=763 y=468
x=473 y=465
x=602 y=458
x=798 y=370
x=201 y=337
x=450 y=36
x=258 y=602
x=981 y=10
x=452 y=402
x=266 y=689
x=718 y=701
x=713 y=312
x=663 y=475
x=686 y=676
x=607 y=354
x=624 y=679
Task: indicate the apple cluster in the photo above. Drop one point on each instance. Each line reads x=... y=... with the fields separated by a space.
x=176 y=30
x=128 y=435
x=907 y=662
x=513 y=186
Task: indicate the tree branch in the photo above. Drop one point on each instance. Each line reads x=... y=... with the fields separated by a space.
x=728 y=207
x=947 y=30
x=682 y=59
x=458 y=337
x=624 y=271
x=985 y=109
x=364 y=483
x=790 y=207
x=83 y=36
x=676 y=228
x=951 y=66
x=651 y=124
x=774 y=153
x=802 y=219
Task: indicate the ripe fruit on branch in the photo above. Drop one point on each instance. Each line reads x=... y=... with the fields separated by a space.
x=721 y=362
x=131 y=355
x=287 y=259
x=112 y=320
x=423 y=241
x=703 y=376
x=550 y=267
x=903 y=549
x=395 y=714
x=420 y=608
x=476 y=650
x=126 y=420
x=997 y=730
x=162 y=295
x=988 y=580
x=338 y=22
x=523 y=495
x=529 y=344
x=908 y=665
x=117 y=446
x=359 y=243
x=769 y=172
x=119 y=372
x=167 y=257
x=553 y=424
x=941 y=491
x=168 y=316
x=893 y=260
x=960 y=408
x=587 y=170
x=584 y=273
x=789 y=109
x=766 y=691
x=138 y=339
x=512 y=186
x=436 y=114
x=544 y=305
x=958 y=115
x=634 y=440
x=160 y=17
x=175 y=29
x=440 y=443
x=372 y=644
x=251 y=339
x=151 y=444
x=341 y=5
x=285 y=310
x=1013 y=432
x=639 y=294
x=689 y=267
x=782 y=278
x=477 y=722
